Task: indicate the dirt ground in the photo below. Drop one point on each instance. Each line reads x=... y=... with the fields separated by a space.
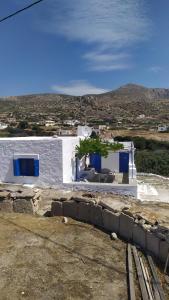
x=42 y=258
x=164 y=136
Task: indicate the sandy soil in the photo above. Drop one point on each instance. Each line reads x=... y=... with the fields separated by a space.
x=42 y=258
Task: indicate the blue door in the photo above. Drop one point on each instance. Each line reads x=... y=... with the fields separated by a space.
x=95 y=161
x=123 y=162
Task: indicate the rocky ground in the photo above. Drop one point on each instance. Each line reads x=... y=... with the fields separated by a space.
x=42 y=258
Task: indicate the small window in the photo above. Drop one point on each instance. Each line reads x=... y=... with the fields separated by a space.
x=26 y=167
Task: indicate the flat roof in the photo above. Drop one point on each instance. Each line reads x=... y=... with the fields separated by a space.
x=38 y=138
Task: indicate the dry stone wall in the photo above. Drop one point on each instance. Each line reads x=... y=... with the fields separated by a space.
x=131 y=228
x=21 y=201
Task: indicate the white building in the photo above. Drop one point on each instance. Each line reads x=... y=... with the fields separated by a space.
x=38 y=160
x=51 y=161
x=50 y=123
x=3 y=126
x=162 y=128
x=71 y=122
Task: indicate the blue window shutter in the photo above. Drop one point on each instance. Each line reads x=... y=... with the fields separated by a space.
x=16 y=167
x=36 y=167
x=95 y=161
x=123 y=162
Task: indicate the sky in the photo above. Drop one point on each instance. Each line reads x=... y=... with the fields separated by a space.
x=83 y=46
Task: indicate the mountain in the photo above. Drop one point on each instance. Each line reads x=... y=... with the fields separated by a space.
x=125 y=103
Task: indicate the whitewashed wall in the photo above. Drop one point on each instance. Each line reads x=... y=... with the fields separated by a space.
x=111 y=162
x=68 y=158
x=123 y=189
x=50 y=160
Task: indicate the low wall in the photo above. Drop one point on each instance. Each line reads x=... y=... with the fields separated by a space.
x=150 y=238
x=21 y=201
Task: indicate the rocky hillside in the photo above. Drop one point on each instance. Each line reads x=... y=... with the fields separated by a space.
x=125 y=103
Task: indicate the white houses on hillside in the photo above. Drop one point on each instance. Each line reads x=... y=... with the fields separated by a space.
x=51 y=161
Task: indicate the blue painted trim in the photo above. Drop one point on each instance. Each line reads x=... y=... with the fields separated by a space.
x=36 y=167
x=123 y=162
x=16 y=167
x=95 y=161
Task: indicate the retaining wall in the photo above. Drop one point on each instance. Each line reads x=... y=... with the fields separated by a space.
x=147 y=236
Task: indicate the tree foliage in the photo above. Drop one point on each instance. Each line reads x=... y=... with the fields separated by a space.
x=151 y=156
x=91 y=145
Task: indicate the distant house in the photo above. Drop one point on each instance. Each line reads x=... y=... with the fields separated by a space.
x=103 y=127
x=3 y=126
x=65 y=132
x=142 y=116
x=71 y=122
x=50 y=123
x=162 y=128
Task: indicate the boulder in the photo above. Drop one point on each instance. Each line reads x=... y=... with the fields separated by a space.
x=4 y=195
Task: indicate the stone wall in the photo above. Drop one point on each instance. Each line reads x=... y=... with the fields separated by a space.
x=21 y=201
x=131 y=228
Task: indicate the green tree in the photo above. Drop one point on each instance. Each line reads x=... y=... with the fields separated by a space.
x=23 y=124
x=91 y=146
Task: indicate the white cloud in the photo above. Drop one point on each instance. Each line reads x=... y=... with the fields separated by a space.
x=107 y=25
x=155 y=69
x=107 y=61
x=78 y=88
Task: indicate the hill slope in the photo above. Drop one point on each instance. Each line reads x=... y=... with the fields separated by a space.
x=126 y=103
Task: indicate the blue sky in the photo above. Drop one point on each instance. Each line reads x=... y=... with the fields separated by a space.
x=83 y=46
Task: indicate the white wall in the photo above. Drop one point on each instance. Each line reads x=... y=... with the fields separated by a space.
x=111 y=162
x=68 y=158
x=50 y=160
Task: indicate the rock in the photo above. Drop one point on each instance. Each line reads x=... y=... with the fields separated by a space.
x=23 y=206
x=147 y=226
x=89 y=195
x=4 y=195
x=65 y=220
x=62 y=199
x=115 y=206
x=113 y=236
x=56 y=208
x=6 y=206
x=25 y=194
x=141 y=221
x=81 y=199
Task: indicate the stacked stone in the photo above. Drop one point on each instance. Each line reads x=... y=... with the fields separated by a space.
x=23 y=201
x=131 y=228
x=6 y=204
